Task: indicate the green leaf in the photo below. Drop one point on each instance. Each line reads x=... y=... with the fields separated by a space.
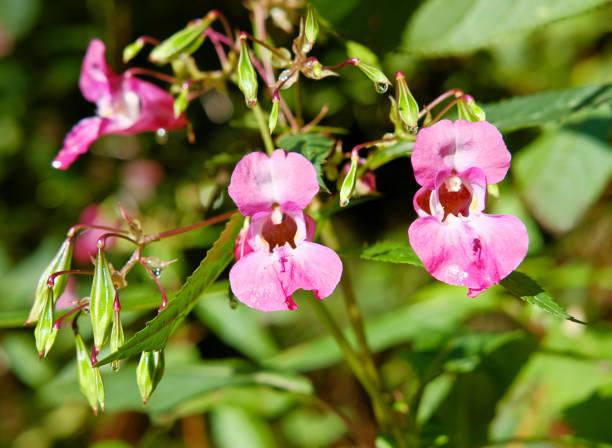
x=443 y=28
x=155 y=335
x=183 y=385
x=437 y=315
x=523 y=286
x=240 y=328
x=233 y=427
x=554 y=106
x=315 y=147
x=356 y=50
x=560 y=175
x=386 y=154
x=391 y=252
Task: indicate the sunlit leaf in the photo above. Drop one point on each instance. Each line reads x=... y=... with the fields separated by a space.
x=521 y=285
x=555 y=106
x=560 y=175
x=391 y=252
x=442 y=28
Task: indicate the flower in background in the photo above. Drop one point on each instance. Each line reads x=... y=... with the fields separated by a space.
x=85 y=247
x=458 y=243
x=126 y=105
x=275 y=253
x=364 y=185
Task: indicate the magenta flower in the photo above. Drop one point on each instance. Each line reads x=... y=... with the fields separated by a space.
x=126 y=105
x=456 y=241
x=86 y=244
x=276 y=255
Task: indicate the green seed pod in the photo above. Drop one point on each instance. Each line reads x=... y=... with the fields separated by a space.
x=90 y=381
x=273 y=118
x=149 y=372
x=130 y=51
x=117 y=338
x=469 y=110
x=407 y=107
x=181 y=102
x=61 y=262
x=44 y=332
x=101 y=300
x=311 y=29
x=381 y=82
x=247 y=78
x=185 y=41
x=348 y=184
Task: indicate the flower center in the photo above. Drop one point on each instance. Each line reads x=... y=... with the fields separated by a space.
x=123 y=108
x=455 y=197
x=279 y=229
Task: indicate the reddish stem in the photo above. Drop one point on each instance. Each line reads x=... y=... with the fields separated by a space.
x=103 y=238
x=58 y=323
x=146 y=72
x=452 y=92
x=352 y=61
x=164 y=302
x=189 y=228
x=74 y=230
x=448 y=107
x=52 y=277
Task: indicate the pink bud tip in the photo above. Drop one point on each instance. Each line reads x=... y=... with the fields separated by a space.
x=353 y=61
x=399 y=75
x=468 y=98
x=213 y=14
x=242 y=35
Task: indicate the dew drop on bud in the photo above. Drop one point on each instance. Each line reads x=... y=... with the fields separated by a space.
x=381 y=87
x=284 y=76
x=161 y=136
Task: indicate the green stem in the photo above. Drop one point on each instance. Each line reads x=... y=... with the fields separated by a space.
x=263 y=129
x=356 y=320
x=351 y=358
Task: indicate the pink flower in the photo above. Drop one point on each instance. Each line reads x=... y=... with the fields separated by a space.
x=276 y=255
x=126 y=105
x=457 y=242
x=85 y=247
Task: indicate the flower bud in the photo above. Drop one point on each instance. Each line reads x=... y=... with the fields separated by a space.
x=348 y=184
x=44 y=332
x=90 y=381
x=311 y=29
x=469 y=110
x=247 y=78
x=185 y=41
x=407 y=107
x=130 y=51
x=117 y=338
x=273 y=118
x=149 y=372
x=181 y=102
x=381 y=82
x=61 y=262
x=101 y=300
x=313 y=69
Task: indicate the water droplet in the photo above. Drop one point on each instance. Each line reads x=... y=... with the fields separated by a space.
x=284 y=75
x=161 y=136
x=381 y=87
x=157 y=271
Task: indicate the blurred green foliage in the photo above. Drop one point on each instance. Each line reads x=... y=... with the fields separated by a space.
x=471 y=371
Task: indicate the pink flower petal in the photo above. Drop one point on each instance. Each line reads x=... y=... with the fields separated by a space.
x=255 y=281
x=458 y=146
x=266 y=281
x=96 y=76
x=476 y=253
x=259 y=181
x=156 y=107
x=77 y=142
